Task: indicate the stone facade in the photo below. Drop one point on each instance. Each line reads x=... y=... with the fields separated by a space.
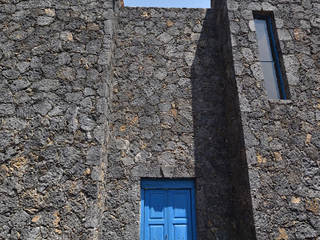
x=55 y=81
x=93 y=98
x=281 y=137
x=168 y=116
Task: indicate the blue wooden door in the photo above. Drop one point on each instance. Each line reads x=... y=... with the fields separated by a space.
x=156 y=214
x=179 y=218
x=167 y=210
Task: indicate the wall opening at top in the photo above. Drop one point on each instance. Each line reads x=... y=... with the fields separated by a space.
x=168 y=3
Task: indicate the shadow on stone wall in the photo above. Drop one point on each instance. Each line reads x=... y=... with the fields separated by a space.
x=224 y=209
x=242 y=212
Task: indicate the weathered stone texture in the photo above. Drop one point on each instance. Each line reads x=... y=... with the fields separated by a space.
x=168 y=117
x=89 y=107
x=281 y=136
x=55 y=76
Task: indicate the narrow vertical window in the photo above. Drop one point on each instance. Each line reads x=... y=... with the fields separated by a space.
x=269 y=56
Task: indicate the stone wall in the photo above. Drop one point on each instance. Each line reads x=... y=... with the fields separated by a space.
x=168 y=117
x=55 y=76
x=281 y=136
x=242 y=215
x=174 y=93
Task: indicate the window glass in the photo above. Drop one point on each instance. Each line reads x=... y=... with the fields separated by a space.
x=270 y=80
x=265 y=53
x=269 y=57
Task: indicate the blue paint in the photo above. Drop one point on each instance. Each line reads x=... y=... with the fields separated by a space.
x=166 y=184
x=142 y=211
x=180 y=214
x=155 y=215
x=167 y=210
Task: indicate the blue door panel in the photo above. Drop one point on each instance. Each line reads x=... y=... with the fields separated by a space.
x=179 y=214
x=156 y=200
x=156 y=232
x=167 y=211
x=180 y=232
x=180 y=203
x=155 y=214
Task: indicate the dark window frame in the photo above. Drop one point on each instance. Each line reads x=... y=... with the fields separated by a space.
x=283 y=87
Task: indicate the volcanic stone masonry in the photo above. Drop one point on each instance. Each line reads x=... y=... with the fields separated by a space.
x=168 y=117
x=55 y=72
x=282 y=137
x=93 y=98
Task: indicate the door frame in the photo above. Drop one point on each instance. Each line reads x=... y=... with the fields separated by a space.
x=163 y=184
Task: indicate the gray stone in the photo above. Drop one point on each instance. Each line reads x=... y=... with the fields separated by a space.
x=92 y=218
x=64 y=58
x=89 y=92
x=304 y=232
x=21 y=218
x=23 y=66
x=247 y=53
x=73 y=118
x=6 y=139
x=160 y=74
x=34 y=234
x=127 y=161
x=168 y=171
x=46 y=85
x=11 y=74
x=257 y=71
x=14 y=123
x=56 y=111
x=104 y=58
x=197 y=28
x=93 y=155
x=18 y=85
x=66 y=36
x=6 y=96
x=95 y=174
x=7 y=109
x=165 y=37
x=87 y=123
x=284 y=35
x=166 y=158
x=18 y=35
x=233 y=5
x=35 y=63
x=44 y=20
x=142 y=157
x=66 y=73
x=86 y=103
x=141 y=31
x=164 y=107
x=51 y=12
x=93 y=46
x=122 y=144
x=73 y=97
x=315 y=21
x=43 y=107
x=189 y=58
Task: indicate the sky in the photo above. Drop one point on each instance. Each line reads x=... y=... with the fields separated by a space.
x=168 y=3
